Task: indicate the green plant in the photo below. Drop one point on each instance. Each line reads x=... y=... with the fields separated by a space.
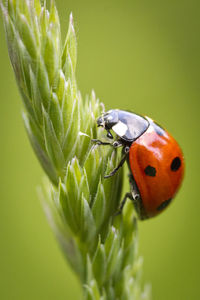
x=79 y=203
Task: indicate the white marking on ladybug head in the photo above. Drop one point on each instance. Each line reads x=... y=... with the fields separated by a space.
x=120 y=128
x=109 y=118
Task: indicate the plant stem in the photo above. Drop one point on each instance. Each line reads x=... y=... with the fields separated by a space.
x=78 y=201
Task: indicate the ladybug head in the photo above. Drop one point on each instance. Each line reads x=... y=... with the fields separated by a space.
x=108 y=119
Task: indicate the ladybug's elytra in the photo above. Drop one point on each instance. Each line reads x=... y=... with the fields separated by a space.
x=154 y=158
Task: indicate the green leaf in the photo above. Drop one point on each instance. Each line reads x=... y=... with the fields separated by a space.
x=52 y=145
x=77 y=170
x=43 y=83
x=55 y=115
x=51 y=57
x=94 y=168
x=84 y=187
x=112 y=246
x=69 y=56
x=88 y=227
x=89 y=272
x=61 y=88
x=25 y=63
x=36 y=97
x=118 y=266
x=67 y=209
x=22 y=7
x=37 y=6
x=43 y=21
x=70 y=139
x=12 y=41
x=92 y=291
x=98 y=207
x=72 y=189
x=27 y=36
x=68 y=107
x=68 y=68
x=35 y=139
x=99 y=264
x=112 y=186
x=88 y=293
x=54 y=17
x=11 y=9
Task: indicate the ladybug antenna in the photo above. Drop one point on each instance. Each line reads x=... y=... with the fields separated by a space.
x=103 y=108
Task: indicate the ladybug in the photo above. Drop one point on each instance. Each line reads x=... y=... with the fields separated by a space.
x=154 y=158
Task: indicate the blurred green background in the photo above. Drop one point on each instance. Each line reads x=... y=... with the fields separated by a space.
x=137 y=55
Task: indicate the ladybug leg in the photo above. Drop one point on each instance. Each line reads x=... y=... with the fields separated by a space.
x=116 y=144
x=134 y=189
x=127 y=196
x=109 y=134
x=125 y=150
x=117 y=168
x=99 y=142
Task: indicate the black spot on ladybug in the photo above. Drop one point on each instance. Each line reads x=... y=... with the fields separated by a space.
x=150 y=171
x=164 y=204
x=176 y=163
x=158 y=129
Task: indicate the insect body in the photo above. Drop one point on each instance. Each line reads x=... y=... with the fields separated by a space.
x=154 y=158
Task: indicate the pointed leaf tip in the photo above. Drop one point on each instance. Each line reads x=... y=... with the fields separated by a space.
x=71 y=18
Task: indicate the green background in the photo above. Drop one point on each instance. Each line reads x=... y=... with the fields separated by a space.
x=137 y=55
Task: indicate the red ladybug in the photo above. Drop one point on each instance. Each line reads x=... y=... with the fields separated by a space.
x=154 y=158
